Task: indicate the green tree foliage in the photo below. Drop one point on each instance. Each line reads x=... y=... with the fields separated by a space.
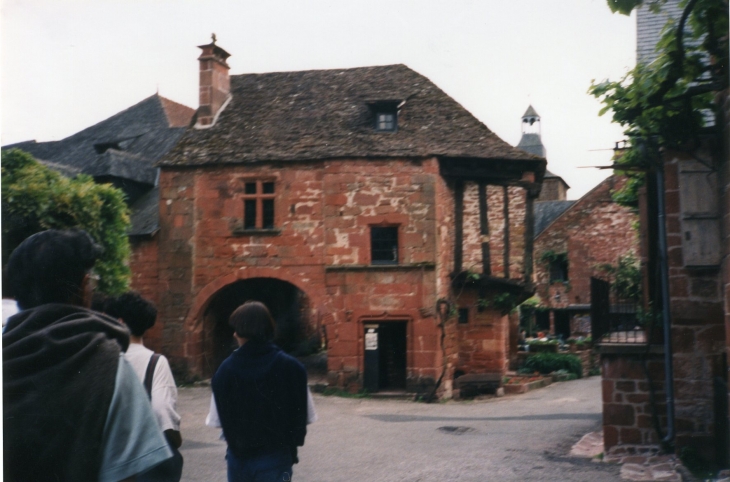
x=663 y=104
x=625 y=277
x=35 y=198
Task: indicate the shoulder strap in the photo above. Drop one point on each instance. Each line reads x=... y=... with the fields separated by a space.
x=150 y=373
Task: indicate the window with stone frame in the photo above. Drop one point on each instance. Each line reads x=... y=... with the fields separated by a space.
x=384 y=244
x=258 y=204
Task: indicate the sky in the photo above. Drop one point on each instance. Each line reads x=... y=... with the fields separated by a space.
x=68 y=64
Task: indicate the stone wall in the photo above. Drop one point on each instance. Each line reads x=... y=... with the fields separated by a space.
x=320 y=243
x=594 y=231
x=628 y=412
x=144 y=268
x=698 y=319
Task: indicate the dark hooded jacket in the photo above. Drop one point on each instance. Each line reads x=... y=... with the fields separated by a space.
x=261 y=397
x=59 y=370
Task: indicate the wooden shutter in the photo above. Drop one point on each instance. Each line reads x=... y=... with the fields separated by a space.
x=700 y=215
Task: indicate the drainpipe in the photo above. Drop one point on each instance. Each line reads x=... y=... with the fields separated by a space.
x=668 y=441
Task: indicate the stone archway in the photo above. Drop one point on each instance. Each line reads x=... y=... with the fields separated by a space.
x=288 y=305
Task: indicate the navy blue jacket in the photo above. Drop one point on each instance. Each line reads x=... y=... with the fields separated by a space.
x=261 y=396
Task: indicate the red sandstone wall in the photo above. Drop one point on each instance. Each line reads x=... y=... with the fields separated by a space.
x=593 y=231
x=321 y=244
x=698 y=326
x=627 y=409
x=446 y=355
x=483 y=343
x=144 y=267
x=323 y=214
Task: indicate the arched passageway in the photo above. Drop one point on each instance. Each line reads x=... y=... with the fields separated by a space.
x=288 y=305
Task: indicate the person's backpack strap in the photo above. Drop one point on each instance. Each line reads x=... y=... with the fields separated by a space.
x=150 y=373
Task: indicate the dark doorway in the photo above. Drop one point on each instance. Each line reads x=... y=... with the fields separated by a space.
x=542 y=322
x=287 y=304
x=385 y=356
x=562 y=324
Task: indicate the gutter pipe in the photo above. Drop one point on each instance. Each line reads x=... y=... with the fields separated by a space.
x=668 y=441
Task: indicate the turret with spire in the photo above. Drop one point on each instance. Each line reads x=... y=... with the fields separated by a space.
x=531 y=141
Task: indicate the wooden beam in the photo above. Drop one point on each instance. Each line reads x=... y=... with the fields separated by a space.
x=529 y=234
x=506 y=230
x=486 y=260
x=459 y=225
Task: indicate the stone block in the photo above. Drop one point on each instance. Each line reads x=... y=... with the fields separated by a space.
x=618 y=414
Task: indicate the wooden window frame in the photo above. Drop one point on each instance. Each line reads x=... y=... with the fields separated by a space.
x=259 y=197
x=386 y=112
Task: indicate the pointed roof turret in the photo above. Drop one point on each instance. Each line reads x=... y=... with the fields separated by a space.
x=530 y=112
x=531 y=141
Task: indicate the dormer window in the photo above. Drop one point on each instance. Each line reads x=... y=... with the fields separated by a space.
x=102 y=147
x=385 y=114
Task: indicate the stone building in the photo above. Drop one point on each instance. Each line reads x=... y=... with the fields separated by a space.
x=573 y=240
x=636 y=410
x=362 y=204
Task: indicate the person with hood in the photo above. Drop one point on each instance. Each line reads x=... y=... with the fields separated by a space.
x=73 y=408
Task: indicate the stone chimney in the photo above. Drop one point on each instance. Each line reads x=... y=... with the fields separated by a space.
x=215 y=84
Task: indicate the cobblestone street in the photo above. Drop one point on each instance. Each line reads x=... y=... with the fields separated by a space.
x=522 y=437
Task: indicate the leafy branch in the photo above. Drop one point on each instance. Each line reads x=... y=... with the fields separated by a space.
x=665 y=103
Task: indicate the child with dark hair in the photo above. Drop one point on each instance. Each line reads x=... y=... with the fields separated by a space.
x=153 y=370
x=261 y=400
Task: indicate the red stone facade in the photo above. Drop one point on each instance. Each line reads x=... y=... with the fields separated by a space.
x=594 y=231
x=320 y=243
x=697 y=308
x=628 y=413
x=144 y=268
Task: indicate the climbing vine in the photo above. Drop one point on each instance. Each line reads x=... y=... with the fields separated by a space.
x=667 y=103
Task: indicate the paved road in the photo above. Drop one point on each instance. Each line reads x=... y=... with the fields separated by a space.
x=519 y=437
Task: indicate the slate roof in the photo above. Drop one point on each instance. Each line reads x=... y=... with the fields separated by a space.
x=532 y=143
x=548 y=211
x=530 y=112
x=320 y=114
x=126 y=146
x=550 y=175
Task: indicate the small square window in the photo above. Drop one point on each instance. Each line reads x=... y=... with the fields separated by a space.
x=250 y=188
x=385 y=121
x=463 y=316
x=384 y=245
x=559 y=270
